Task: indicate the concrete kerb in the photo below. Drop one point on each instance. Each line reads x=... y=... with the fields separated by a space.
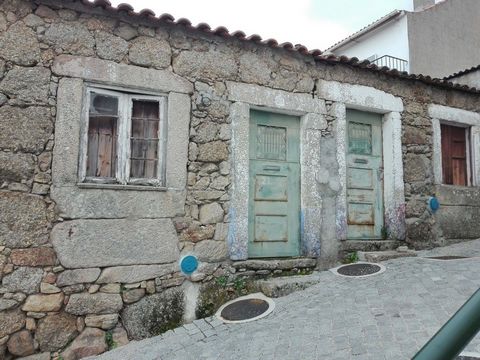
x=469 y=355
x=461 y=258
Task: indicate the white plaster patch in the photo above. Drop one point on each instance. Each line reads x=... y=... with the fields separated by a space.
x=238 y=232
x=279 y=101
x=339 y=111
x=437 y=152
x=191 y=292
x=394 y=197
x=359 y=97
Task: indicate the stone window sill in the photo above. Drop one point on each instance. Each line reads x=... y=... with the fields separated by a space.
x=120 y=187
x=460 y=187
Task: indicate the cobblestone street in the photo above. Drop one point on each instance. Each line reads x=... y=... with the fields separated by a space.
x=387 y=316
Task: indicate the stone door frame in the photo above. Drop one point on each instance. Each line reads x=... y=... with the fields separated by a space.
x=311 y=112
x=457 y=117
x=369 y=99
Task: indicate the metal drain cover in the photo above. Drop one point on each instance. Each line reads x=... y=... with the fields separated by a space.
x=360 y=269
x=448 y=257
x=246 y=308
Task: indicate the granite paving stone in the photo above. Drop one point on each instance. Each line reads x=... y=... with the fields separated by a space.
x=386 y=316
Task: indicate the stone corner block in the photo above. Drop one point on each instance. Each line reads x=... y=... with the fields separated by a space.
x=98 y=303
x=133 y=274
x=78 y=276
x=273 y=98
x=120 y=74
x=100 y=243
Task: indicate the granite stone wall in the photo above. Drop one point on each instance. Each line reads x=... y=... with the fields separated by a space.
x=85 y=269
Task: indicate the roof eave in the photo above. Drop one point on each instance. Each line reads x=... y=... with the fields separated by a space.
x=386 y=19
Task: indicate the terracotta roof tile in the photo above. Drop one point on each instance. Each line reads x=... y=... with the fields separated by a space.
x=463 y=72
x=315 y=53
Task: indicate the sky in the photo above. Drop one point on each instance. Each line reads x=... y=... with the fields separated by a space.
x=316 y=24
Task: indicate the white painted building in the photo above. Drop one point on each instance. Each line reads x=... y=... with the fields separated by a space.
x=408 y=39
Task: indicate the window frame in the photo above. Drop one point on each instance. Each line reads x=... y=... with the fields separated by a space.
x=468 y=152
x=440 y=114
x=125 y=108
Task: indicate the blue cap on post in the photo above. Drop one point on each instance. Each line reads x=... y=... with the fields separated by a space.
x=433 y=204
x=188 y=264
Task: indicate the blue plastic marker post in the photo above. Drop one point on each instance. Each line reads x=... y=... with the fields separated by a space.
x=433 y=204
x=188 y=264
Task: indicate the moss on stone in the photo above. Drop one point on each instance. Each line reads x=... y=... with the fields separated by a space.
x=169 y=317
x=215 y=294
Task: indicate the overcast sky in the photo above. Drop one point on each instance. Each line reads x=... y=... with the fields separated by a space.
x=316 y=24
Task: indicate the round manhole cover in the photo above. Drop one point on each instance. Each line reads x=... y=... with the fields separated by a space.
x=359 y=269
x=448 y=257
x=246 y=308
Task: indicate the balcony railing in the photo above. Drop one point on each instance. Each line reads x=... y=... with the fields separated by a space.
x=391 y=62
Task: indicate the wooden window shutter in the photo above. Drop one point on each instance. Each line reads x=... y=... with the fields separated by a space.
x=102 y=136
x=454 y=155
x=144 y=139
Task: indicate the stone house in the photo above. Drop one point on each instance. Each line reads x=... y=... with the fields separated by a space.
x=128 y=141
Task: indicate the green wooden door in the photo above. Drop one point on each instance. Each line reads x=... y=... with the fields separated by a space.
x=274 y=198
x=364 y=175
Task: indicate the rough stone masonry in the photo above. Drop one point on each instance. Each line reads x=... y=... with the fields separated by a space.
x=86 y=267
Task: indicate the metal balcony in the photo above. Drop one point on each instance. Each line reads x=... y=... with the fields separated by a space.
x=391 y=62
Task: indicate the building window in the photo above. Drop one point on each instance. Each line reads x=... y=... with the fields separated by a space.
x=455 y=155
x=124 y=141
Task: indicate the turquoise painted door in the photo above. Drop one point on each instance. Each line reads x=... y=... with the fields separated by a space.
x=274 y=198
x=364 y=175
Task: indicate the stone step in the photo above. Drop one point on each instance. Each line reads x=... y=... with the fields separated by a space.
x=284 y=285
x=378 y=256
x=275 y=264
x=369 y=245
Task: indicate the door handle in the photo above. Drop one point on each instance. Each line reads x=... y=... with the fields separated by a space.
x=271 y=168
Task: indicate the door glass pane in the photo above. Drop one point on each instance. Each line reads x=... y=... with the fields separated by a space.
x=144 y=139
x=102 y=136
x=271 y=142
x=359 y=138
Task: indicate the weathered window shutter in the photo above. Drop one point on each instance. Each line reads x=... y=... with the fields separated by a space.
x=144 y=139
x=102 y=136
x=454 y=155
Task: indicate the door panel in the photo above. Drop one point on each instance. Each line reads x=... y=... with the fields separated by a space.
x=274 y=171
x=271 y=228
x=364 y=175
x=271 y=188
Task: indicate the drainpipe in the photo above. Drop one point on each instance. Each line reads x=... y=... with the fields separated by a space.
x=452 y=338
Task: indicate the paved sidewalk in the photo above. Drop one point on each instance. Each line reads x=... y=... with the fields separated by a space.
x=387 y=316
